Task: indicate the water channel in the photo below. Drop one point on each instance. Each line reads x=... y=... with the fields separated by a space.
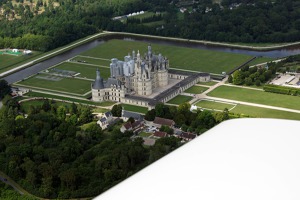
x=283 y=52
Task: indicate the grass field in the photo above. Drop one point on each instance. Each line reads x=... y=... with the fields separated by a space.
x=264 y=112
x=134 y=108
x=144 y=134
x=194 y=59
x=99 y=110
x=255 y=96
x=260 y=60
x=49 y=96
x=196 y=89
x=180 y=99
x=95 y=61
x=210 y=83
x=214 y=105
x=70 y=85
x=87 y=71
x=8 y=60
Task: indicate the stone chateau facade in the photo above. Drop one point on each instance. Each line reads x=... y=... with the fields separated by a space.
x=133 y=80
x=135 y=75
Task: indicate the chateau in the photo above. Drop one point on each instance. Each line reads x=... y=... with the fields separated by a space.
x=143 y=80
x=134 y=75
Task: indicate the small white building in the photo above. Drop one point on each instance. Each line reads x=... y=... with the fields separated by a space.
x=105 y=120
x=27 y=52
x=15 y=50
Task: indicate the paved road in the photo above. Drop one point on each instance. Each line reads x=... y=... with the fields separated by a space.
x=0 y=104
x=5 y=180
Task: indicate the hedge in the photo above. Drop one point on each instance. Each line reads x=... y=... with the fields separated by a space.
x=282 y=90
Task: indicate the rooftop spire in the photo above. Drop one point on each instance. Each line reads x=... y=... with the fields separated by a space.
x=98 y=84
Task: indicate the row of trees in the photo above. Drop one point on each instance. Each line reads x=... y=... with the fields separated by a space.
x=198 y=122
x=250 y=76
x=250 y=22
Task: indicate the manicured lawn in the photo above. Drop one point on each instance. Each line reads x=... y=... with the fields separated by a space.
x=264 y=112
x=260 y=60
x=133 y=108
x=86 y=71
x=7 y=60
x=210 y=83
x=180 y=57
x=94 y=61
x=49 y=96
x=256 y=96
x=196 y=89
x=180 y=99
x=100 y=110
x=144 y=134
x=71 y=85
x=214 y=105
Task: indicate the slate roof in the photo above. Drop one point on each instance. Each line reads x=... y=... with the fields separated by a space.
x=163 y=121
x=108 y=114
x=103 y=119
x=98 y=84
x=134 y=115
x=112 y=81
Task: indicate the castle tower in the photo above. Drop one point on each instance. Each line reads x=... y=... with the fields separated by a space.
x=162 y=73
x=98 y=88
x=98 y=84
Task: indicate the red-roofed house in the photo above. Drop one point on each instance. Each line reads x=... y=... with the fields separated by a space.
x=162 y=121
x=131 y=127
x=159 y=134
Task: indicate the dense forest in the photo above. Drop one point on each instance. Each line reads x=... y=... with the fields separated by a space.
x=51 y=155
x=250 y=21
x=59 y=152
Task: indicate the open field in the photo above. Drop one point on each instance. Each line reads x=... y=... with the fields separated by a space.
x=6 y=61
x=95 y=61
x=86 y=71
x=70 y=85
x=210 y=83
x=196 y=89
x=180 y=99
x=255 y=96
x=180 y=57
x=264 y=112
x=214 y=105
x=134 y=108
x=260 y=60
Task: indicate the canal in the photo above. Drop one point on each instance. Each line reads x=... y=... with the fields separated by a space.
x=17 y=76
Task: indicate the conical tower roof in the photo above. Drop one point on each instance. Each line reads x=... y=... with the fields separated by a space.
x=98 y=84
